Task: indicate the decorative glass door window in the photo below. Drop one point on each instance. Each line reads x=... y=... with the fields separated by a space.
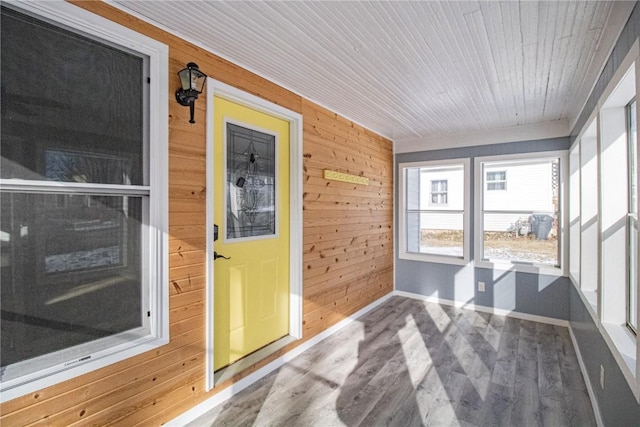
x=251 y=183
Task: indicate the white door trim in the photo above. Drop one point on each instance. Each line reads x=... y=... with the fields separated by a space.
x=222 y=90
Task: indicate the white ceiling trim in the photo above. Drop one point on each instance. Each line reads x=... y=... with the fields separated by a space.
x=555 y=129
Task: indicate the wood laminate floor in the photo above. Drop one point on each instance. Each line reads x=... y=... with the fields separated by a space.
x=412 y=363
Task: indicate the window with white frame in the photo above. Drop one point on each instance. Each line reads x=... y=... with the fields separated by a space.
x=608 y=270
x=439 y=192
x=574 y=212
x=520 y=225
x=617 y=210
x=588 y=252
x=496 y=180
x=632 y=218
x=83 y=206
x=435 y=199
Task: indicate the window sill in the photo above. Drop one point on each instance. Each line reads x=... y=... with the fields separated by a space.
x=521 y=268
x=88 y=363
x=438 y=259
x=591 y=298
x=590 y=301
x=622 y=344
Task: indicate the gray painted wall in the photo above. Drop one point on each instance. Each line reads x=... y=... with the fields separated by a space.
x=617 y=404
x=522 y=292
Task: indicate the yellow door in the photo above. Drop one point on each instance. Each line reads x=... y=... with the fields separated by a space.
x=251 y=209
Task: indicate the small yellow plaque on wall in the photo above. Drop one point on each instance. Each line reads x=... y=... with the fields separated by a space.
x=345 y=177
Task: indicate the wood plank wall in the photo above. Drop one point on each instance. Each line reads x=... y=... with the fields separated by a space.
x=348 y=252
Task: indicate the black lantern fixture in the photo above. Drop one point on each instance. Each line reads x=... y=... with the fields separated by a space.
x=192 y=81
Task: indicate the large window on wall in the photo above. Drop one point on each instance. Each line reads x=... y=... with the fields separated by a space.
x=607 y=279
x=434 y=222
x=632 y=218
x=574 y=213
x=519 y=223
x=618 y=214
x=83 y=207
x=588 y=251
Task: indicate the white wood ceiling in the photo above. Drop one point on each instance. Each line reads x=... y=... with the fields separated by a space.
x=416 y=72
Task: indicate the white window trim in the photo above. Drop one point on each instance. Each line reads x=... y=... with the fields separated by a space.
x=505 y=265
x=402 y=243
x=631 y=213
x=575 y=146
x=79 y=19
x=589 y=297
x=624 y=346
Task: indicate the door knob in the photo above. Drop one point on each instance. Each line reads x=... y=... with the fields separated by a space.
x=216 y=255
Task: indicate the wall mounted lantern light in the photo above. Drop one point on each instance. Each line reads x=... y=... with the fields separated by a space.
x=192 y=81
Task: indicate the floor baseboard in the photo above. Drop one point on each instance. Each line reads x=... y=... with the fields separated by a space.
x=587 y=381
x=485 y=309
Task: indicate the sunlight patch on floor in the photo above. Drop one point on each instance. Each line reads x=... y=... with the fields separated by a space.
x=414 y=351
x=436 y=312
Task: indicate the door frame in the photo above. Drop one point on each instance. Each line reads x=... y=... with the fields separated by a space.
x=230 y=93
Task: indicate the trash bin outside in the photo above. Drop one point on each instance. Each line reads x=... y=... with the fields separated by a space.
x=541 y=225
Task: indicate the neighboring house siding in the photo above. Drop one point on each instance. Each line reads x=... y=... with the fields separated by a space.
x=527 y=186
x=347 y=261
x=455 y=187
x=441 y=221
x=435 y=220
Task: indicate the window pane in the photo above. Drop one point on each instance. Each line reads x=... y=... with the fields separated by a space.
x=521 y=238
x=589 y=215
x=435 y=210
x=70 y=271
x=445 y=183
x=440 y=232
x=72 y=107
x=412 y=179
x=633 y=272
x=520 y=223
x=574 y=213
x=633 y=159
x=633 y=219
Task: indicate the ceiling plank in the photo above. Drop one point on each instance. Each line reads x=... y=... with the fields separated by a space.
x=412 y=70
